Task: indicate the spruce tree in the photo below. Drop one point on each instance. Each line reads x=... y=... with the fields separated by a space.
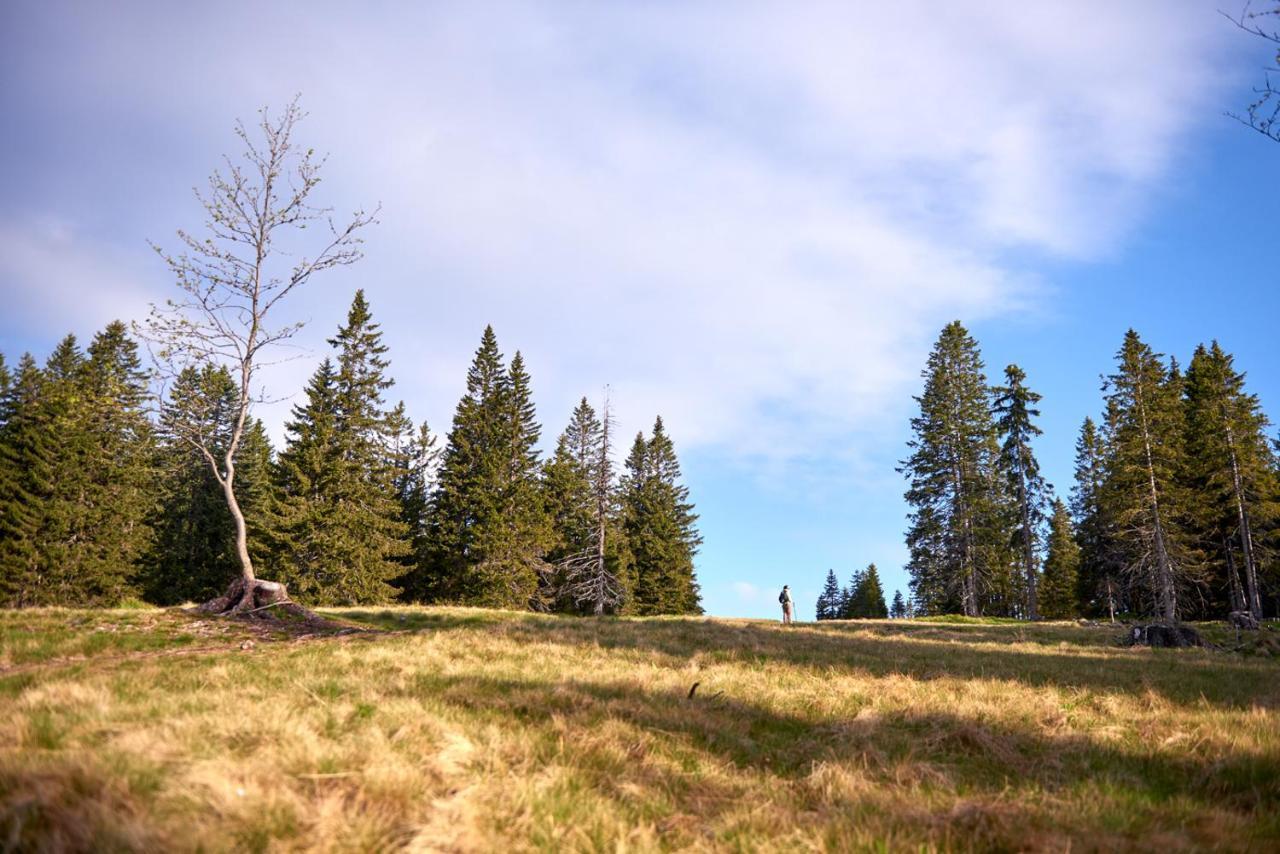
x=77 y=465
x=414 y=456
x=1142 y=492
x=342 y=530
x=1098 y=584
x=1146 y=461
x=661 y=528
x=898 y=610
x=589 y=560
x=958 y=536
x=490 y=532
x=850 y=605
x=829 y=599
x=1015 y=409
x=1231 y=470
x=1058 y=587
x=868 y=596
x=27 y=459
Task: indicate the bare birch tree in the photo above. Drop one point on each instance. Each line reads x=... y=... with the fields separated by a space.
x=231 y=279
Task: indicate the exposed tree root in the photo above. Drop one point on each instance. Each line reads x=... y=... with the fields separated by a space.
x=269 y=601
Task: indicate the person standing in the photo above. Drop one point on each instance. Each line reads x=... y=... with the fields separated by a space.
x=784 y=598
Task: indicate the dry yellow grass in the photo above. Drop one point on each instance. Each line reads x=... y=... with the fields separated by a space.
x=470 y=730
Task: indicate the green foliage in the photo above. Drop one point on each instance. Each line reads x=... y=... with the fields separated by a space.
x=1142 y=491
x=76 y=456
x=1057 y=589
x=661 y=528
x=898 y=610
x=959 y=534
x=1014 y=408
x=589 y=560
x=490 y=530
x=1098 y=581
x=341 y=538
x=830 y=599
x=1231 y=472
x=864 y=597
x=193 y=558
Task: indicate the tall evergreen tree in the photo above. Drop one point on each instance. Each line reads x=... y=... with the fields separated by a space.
x=661 y=528
x=829 y=599
x=28 y=450
x=958 y=536
x=1015 y=409
x=414 y=456
x=1058 y=587
x=589 y=559
x=1142 y=492
x=867 y=598
x=898 y=610
x=1098 y=581
x=1231 y=469
x=489 y=531
x=75 y=461
x=342 y=530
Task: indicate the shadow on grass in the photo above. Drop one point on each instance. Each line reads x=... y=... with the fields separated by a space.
x=956 y=756
x=926 y=651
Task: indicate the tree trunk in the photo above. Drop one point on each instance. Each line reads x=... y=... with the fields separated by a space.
x=1028 y=554
x=1246 y=532
x=1166 y=596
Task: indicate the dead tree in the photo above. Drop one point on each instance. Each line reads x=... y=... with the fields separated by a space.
x=231 y=279
x=589 y=582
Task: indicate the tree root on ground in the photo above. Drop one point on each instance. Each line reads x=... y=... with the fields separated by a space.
x=269 y=601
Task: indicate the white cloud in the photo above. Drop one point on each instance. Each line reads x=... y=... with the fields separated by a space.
x=750 y=218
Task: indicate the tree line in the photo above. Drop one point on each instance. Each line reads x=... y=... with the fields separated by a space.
x=861 y=598
x=1174 y=513
x=101 y=500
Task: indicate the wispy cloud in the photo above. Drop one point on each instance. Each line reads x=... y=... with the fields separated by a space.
x=749 y=217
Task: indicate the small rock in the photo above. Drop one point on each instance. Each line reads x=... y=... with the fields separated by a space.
x=247 y=645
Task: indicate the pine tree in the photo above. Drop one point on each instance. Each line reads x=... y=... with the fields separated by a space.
x=77 y=456
x=27 y=458
x=1058 y=587
x=867 y=600
x=898 y=610
x=414 y=457
x=958 y=537
x=1015 y=409
x=1098 y=587
x=343 y=535
x=589 y=559
x=1144 y=438
x=490 y=531
x=1232 y=472
x=829 y=599
x=850 y=605
x=661 y=528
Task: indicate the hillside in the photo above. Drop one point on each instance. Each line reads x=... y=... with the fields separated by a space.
x=455 y=729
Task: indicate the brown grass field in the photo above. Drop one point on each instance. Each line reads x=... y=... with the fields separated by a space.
x=458 y=730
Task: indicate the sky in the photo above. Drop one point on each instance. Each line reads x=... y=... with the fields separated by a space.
x=750 y=218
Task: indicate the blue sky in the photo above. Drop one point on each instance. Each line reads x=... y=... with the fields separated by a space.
x=751 y=218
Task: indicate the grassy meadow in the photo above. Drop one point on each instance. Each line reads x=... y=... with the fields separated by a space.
x=454 y=730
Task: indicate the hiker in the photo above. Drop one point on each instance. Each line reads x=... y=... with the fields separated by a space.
x=784 y=598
